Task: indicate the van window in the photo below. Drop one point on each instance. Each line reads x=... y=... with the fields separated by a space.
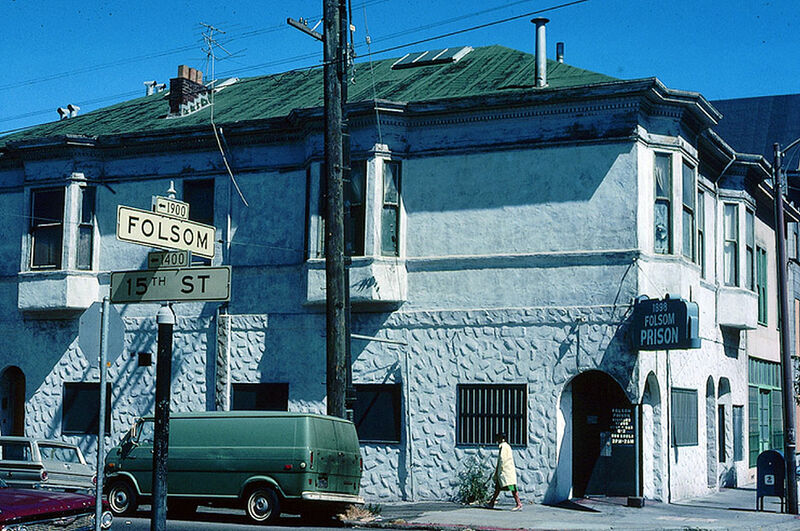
x=324 y=434
x=144 y=432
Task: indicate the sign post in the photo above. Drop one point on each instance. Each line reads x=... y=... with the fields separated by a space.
x=101 y=421
x=169 y=278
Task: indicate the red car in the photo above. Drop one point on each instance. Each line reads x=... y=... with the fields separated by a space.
x=44 y=509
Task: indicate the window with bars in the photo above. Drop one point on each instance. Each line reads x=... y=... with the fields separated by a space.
x=684 y=417
x=487 y=409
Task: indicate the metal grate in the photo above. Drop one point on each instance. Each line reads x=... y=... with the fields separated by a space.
x=484 y=410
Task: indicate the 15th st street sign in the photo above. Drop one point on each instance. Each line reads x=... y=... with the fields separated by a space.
x=163 y=285
x=167 y=232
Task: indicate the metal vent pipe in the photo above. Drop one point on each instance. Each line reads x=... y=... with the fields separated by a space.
x=560 y=52
x=541 y=52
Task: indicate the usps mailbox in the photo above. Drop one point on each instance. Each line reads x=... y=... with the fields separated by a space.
x=771 y=477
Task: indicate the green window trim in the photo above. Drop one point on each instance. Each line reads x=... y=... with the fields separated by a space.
x=761 y=284
x=765 y=408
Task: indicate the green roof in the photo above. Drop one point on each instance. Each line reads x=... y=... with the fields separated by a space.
x=483 y=71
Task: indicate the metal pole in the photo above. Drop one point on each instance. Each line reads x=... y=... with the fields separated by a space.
x=101 y=423
x=166 y=321
x=789 y=422
x=334 y=223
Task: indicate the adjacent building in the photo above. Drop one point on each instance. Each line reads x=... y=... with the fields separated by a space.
x=503 y=225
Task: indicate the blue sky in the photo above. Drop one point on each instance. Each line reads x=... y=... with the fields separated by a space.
x=94 y=53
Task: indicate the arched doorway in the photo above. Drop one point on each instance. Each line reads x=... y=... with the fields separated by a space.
x=12 y=402
x=603 y=449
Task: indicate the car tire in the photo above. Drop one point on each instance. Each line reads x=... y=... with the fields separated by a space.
x=262 y=505
x=122 y=498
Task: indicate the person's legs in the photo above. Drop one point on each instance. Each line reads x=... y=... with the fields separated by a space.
x=494 y=496
x=516 y=499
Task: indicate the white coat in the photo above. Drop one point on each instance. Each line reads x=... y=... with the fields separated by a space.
x=506 y=473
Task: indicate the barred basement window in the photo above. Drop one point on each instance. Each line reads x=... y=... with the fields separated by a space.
x=486 y=409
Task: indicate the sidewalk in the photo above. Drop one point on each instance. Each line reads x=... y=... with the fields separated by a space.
x=728 y=509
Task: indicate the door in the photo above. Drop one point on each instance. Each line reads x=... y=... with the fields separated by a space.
x=603 y=443
x=764 y=413
x=12 y=402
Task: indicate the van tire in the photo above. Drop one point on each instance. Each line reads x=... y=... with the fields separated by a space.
x=262 y=505
x=122 y=498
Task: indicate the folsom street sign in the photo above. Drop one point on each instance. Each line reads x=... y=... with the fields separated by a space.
x=665 y=324
x=157 y=230
x=172 y=285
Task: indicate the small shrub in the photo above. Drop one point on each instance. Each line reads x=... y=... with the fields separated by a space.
x=362 y=513
x=473 y=483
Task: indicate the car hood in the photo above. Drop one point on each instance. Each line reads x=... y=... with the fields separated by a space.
x=23 y=503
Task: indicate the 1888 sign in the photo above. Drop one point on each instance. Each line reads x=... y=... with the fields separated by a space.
x=665 y=324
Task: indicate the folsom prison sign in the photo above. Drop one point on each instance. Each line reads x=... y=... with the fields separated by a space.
x=166 y=232
x=665 y=324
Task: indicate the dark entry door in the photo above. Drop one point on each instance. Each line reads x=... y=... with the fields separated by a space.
x=12 y=402
x=603 y=449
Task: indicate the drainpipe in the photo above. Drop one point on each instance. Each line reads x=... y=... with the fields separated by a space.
x=541 y=52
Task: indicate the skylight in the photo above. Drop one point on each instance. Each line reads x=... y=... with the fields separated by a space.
x=431 y=57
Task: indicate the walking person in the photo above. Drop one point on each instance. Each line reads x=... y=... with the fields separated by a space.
x=505 y=474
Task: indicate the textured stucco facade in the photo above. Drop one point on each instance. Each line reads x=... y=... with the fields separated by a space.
x=526 y=234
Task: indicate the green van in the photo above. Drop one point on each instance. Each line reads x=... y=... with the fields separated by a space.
x=264 y=462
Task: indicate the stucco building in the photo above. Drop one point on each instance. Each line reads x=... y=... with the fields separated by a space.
x=501 y=233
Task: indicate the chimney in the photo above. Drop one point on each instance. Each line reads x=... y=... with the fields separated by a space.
x=560 y=52
x=150 y=87
x=185 y=89
x=541 y=52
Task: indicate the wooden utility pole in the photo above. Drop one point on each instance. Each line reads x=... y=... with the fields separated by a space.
x=334 y=219
x=789 y=418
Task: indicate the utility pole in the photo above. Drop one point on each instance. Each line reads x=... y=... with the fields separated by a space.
x=789 y=441
x=334 y=223
x=166 y=321
x=789 y=420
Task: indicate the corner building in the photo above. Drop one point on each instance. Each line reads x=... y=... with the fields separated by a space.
x=500 y=235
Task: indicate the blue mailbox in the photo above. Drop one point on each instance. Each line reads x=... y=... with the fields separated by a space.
x=770 y=477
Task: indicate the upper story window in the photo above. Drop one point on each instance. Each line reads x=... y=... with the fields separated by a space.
x=701 y=232
x=47 y=228
x=730 y=229
x=688 y=211
x=761 y=284
x=663 y=193
x=749 y=249
x=390 y=244
x=60 y=215
x=372 y=208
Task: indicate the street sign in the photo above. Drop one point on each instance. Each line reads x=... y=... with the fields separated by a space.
x=157 y=230
x=89 y=333
x=164 y=285
x=665 y=324
x=168 y=259
x=170 y=207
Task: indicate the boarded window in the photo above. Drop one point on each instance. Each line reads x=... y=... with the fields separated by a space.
x=47 y=228
x=377 y=412
x=684 y=417
x=261 y=396
x=485 y=410
x=81 y=408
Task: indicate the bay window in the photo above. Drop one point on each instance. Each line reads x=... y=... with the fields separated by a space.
x=730 y=229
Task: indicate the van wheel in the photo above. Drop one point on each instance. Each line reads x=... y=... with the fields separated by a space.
x=262 y=505
x=122 y=498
